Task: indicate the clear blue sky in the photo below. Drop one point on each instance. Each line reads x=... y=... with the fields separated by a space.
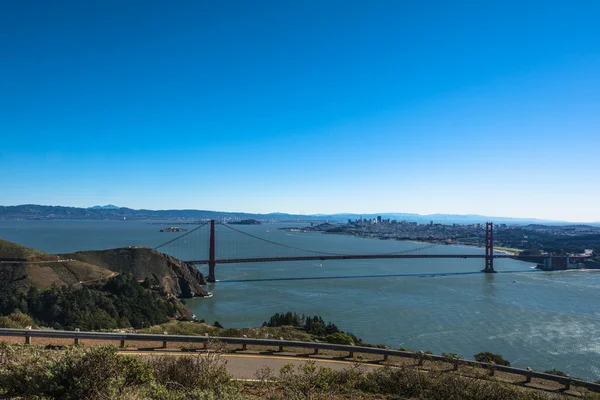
x=489 y=107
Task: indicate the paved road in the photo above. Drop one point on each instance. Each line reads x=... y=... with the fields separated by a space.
x=244 y=366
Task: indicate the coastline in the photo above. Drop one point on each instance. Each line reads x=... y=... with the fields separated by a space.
x=418 y=241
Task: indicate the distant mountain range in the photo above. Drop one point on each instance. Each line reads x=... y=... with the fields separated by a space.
x=112 y=212
x=106 y=207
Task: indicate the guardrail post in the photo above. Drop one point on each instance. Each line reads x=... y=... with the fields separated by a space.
x=76 y=341
x=385 y=357
x=27 y=339
x=281 y=349
x=528 y=379
x=420 y=355
x=244 y=347
x=164 y=345
x=316 y=352
x=351 y=354
x=492 y=368
x=568 y=384
x=122 y=343
x=455 y=367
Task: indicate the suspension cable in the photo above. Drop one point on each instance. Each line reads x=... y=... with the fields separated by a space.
x=179 y=237
x=429 y=246
x=281 y=244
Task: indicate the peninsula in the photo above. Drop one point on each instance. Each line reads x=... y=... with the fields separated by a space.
x=245 y=222
x=532 y=239
x=131 y=287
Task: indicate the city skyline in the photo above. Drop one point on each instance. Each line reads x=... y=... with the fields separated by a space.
x=303 y=108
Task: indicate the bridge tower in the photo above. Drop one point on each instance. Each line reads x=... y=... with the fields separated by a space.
x=211 y=253
x=489 y=248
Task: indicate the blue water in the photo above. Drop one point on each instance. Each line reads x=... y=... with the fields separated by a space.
x=535 y=319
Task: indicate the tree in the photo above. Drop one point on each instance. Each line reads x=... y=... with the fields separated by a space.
x=488 y=357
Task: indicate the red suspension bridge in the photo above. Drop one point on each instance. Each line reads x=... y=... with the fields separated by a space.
x=199 y=246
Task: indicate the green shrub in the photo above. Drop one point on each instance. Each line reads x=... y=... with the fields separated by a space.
x=121 y=302
x=78 y=373
x=26 y=370
x=487 y=357
x=96 y=372
x=339 y=338
x=17 y=320
x=451 y=356
x=308 y=381
x=409 y=383
x=198 y=373
x=555 y=371
x=285 y=319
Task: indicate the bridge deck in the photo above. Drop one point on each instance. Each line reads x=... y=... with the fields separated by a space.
x=354 y=257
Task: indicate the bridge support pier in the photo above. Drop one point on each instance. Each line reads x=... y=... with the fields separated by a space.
x=211 y=273
x=211 y=254
x=489 y=248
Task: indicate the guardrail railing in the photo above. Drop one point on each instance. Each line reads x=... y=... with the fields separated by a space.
x=281 y=344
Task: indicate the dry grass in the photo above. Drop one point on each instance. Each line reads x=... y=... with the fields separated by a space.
x=433 y=367
x=101 y=373
x=14 y=250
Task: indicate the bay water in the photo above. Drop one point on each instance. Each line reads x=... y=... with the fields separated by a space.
x=535 y=319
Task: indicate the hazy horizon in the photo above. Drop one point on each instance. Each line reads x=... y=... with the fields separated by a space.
x=383 y=213
x=304 y=107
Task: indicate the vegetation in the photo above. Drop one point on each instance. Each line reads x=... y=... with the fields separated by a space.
x=340 y=338
x=17 y=321
x=245 y=222
x=200 y=328
x=100 y=373
x=539 y=239
x=555 y=371
x=13 y=250
x=509 y=249
x=314 y=326
x=488 y=357
x=121 y=302
x=182 y=279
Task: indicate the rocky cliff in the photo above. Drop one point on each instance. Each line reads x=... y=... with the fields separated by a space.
x=176 y=278
x=23 y=267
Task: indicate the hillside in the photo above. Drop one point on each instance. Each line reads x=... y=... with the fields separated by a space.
x=175 y=277
x=118 y=288
x=10 y=250
x=23 y=267
x=42 y=212
x=33 y=268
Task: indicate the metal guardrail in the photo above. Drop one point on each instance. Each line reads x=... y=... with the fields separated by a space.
x=315 y=346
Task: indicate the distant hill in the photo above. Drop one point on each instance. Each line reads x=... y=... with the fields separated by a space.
x=106 y=207
x=112 y=212
x=40 y=212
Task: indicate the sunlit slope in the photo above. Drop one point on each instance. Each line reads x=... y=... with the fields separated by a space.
x=176 y=277
x=16 y=251
x=24 y=267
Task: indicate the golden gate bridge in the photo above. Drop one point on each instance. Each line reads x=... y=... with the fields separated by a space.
x=199 y=246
